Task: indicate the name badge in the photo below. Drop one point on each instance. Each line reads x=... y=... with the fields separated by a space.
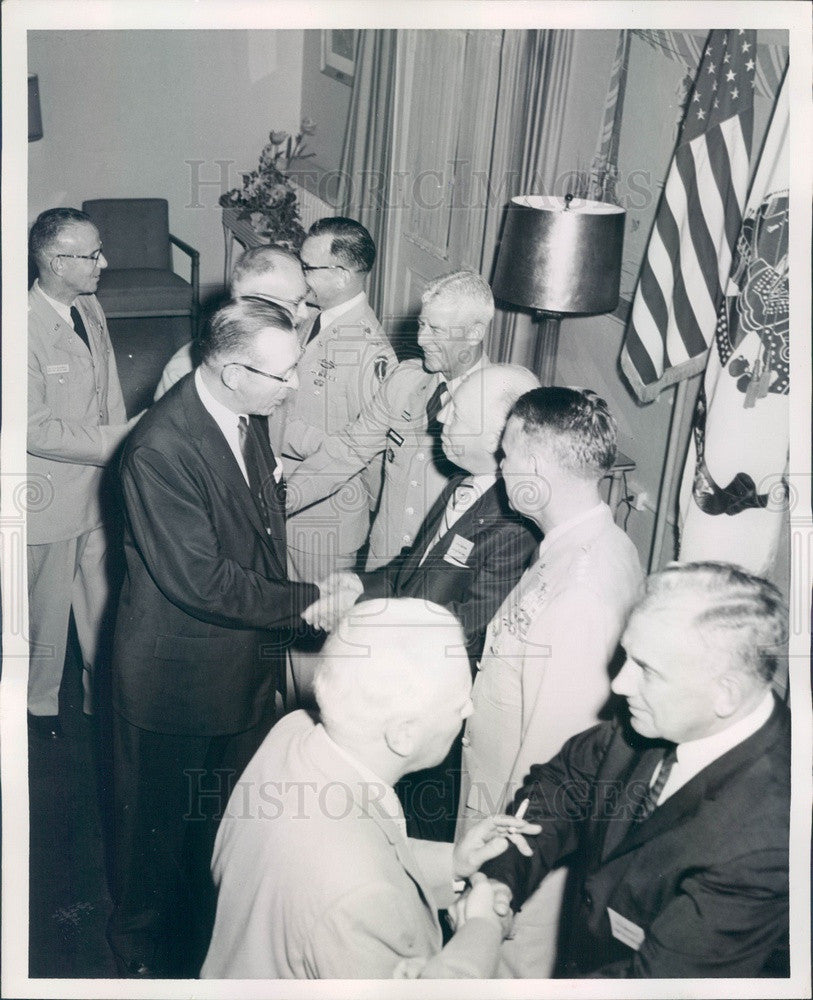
x=625 y=930
x=57 y=369
x=395 y=437
x=459 y=551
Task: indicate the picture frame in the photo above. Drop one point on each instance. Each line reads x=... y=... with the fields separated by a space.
x=339 y=54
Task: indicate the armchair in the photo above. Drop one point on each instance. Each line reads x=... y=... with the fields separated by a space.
x=139 y=280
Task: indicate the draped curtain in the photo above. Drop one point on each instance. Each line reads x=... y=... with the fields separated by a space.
x=536 y=71
x=367 y=151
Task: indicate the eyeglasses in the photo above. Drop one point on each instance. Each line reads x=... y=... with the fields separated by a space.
x=289 y=305
x=322 y=267
x=83 y=256
x=285 y=379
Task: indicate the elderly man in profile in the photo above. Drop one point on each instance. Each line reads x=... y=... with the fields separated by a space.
x=317 y=879
x=400 y=421
x=677 y=821
x=76 y=421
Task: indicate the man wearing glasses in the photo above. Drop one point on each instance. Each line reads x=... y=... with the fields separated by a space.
x=205 y=616
x=346 y=358
x=76 y=420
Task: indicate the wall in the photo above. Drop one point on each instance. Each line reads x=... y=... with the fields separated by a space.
x=327 y=101
x=125 y=111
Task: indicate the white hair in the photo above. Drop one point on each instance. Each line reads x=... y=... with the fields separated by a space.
x=387 y=658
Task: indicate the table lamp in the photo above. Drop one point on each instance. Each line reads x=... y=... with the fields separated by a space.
x=559 y=256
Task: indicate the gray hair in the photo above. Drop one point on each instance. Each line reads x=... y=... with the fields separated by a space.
x=468 y=288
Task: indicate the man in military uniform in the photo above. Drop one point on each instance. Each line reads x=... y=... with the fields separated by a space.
x=345 y=360
x=400 y=421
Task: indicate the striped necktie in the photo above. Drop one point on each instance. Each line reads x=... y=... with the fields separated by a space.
x=650 y=800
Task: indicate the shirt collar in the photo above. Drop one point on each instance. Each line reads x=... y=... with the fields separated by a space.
x=382 y=795
x=696 y=754
x=60 y=307
x=480 y=483
x=222 y=415
x=571 y=523
x=453 y=383
x=328 y=316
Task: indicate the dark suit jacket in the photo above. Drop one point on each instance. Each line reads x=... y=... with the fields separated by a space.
x=502 y=546
x=206 y=599
x=705 y=877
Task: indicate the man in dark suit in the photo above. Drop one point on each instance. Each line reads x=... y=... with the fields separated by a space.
x=679 y=826
x=205 y=615
x=470 y=552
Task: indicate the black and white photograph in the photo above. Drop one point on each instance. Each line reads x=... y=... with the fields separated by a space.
x=405 y=490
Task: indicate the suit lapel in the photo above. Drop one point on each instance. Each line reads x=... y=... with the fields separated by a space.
x=412 y=562
x=219 y=457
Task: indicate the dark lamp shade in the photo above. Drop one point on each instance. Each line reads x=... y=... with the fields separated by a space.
x=559 y=259
x=34 y=114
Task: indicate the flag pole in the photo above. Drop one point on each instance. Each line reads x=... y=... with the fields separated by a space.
x=670 y=464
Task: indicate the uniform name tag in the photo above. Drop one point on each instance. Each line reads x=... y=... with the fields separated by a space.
x=625 y=930
x=395 y=437
x=459 y=551
x=57 y=369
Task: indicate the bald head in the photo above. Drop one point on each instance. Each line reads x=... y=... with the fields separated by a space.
x=394 y=681
x=474 y=417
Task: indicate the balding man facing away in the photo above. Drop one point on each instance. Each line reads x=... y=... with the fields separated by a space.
x=677 y=822
x=317 y=879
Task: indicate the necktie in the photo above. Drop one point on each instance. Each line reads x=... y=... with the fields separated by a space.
x=650 y=800
x=435 y=405
x=317 y=326
x=79 y=326
x=248 y=448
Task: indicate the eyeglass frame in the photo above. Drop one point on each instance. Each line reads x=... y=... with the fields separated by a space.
x=285 y=379
x=82 y=256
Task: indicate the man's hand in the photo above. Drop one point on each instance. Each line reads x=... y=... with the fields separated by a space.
x=489 y=838
x=486 y=898
x=337 y=594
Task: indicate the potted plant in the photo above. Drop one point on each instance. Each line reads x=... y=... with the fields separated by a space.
x=267 y=199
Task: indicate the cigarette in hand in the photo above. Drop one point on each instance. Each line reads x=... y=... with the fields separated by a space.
x=520 y=814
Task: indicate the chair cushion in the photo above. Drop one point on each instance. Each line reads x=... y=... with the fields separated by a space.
x=139 y=290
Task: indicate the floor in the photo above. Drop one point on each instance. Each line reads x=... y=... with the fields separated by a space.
x=69 y=787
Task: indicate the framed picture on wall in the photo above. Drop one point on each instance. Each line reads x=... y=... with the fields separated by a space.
x=339 y=53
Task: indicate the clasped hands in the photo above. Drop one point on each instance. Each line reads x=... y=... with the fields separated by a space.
x=338 y=592
x=486 y=897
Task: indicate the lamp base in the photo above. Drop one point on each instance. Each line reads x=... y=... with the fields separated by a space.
x=547 y=346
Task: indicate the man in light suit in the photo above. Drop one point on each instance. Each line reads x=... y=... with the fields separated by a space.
x=346 y=358
x=400 y=421
x=470 y=552
x=205 y=615
x=677 y=822
x=544 y=671
x=76 y=421
x=317 y=878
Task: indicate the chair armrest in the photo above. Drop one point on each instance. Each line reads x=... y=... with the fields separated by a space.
x=194 y=257
x=187 y=249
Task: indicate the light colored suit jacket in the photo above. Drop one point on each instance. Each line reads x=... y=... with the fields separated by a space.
x=316 y=882
x=76 y=418
x=543 y=674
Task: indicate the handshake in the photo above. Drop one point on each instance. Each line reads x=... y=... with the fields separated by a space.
x=337 y=594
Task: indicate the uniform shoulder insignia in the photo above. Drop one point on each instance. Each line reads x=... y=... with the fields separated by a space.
x=380 y=366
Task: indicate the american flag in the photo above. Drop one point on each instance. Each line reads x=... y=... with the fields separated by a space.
x=687 y=262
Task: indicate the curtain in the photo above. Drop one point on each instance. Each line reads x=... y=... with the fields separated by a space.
x=536 y=70
x=367 y=151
